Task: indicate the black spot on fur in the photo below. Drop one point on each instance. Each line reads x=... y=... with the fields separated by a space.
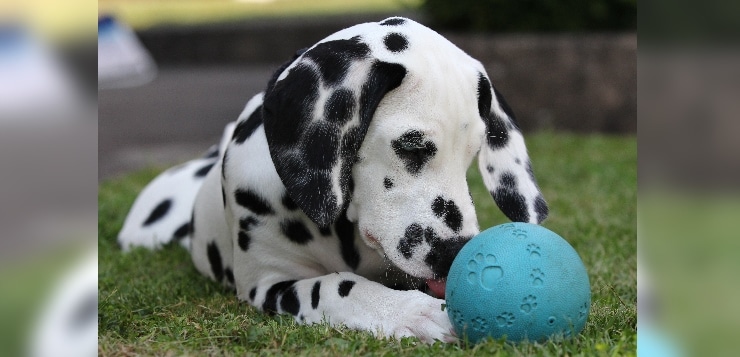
x=224 y=160
x=442 y=252
x=346 y=232
x=214 y=258
x=350 y=146
x=296 y=231
x=246 y=128
x=279 y=71
x=449 y=212
x=340 y=106
x=203 y=170
x=490 y=169
x=540 y=206
x=413 y=236
x=252 y=293
x=530 y=171
x=335 y=57
x=325 y=231
x=244 y=239
x=288 y=203
x=387 y=183
x=320 y=146
x=345 y=287
x=182 y=231
x=413 y=150
x=497 y=135
x=253 y=202
x=315 y=294
x=505 y=107
x=289 y=301
x=229 y=274
x=158 y=212
x=247 y=223
x=511 y=202
x=289 y=107
x=272 y=295
x=508 y=180
x=484 y=96
x=383 y=78
x=394 y=21
x=396 y=42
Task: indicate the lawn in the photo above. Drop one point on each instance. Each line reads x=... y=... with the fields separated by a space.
x=155 y=303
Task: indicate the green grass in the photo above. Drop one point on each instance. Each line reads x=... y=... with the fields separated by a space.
x=688 y=247
x=155 y=303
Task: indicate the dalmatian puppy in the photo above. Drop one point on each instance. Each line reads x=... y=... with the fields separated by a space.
x=340 y=193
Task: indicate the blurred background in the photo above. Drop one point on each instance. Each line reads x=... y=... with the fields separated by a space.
x=172 y=73
x=561 y=65
x=689 y=174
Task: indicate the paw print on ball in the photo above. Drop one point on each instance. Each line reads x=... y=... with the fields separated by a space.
x=529 y=303
x=534 y=250
x=506 y=319
x=537 y=277
x=519 y=233
x=457 y=318
x=508 y=226
x=483 y=271
x=480 y=324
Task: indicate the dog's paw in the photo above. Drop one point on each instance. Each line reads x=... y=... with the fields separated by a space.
x=422 y=316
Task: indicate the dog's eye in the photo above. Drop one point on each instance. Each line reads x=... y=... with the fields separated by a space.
x=411 y=146
x=414 y=150
x=410 y=141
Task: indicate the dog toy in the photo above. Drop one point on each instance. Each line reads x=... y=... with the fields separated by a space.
x=517 y=281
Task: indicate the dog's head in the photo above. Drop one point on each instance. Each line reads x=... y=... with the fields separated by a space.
x=381 y=122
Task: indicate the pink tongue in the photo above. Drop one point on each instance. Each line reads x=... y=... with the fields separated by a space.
x=437 y=287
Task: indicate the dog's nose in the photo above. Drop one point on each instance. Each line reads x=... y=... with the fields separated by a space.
x=443 y=252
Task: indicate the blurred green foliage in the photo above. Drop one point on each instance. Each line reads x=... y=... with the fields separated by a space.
x=533 y=15
x=689 y=22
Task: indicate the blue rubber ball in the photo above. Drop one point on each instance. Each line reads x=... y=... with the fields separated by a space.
x=520 y=281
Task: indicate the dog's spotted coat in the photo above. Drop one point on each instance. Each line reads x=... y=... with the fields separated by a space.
x=341 y=191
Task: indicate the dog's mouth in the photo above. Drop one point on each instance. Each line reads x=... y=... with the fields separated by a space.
x=437 y=287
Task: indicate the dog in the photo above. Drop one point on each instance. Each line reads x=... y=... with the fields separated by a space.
x=339 y=195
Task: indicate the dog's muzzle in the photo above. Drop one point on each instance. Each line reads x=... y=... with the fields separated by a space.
x=440 y=259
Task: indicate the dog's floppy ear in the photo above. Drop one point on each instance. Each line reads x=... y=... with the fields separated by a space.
x=316 y=116
x=503 y=160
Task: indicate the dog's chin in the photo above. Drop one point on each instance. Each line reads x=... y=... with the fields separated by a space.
x=436 y=285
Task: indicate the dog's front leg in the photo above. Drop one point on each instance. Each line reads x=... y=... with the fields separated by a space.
x=358 y=303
